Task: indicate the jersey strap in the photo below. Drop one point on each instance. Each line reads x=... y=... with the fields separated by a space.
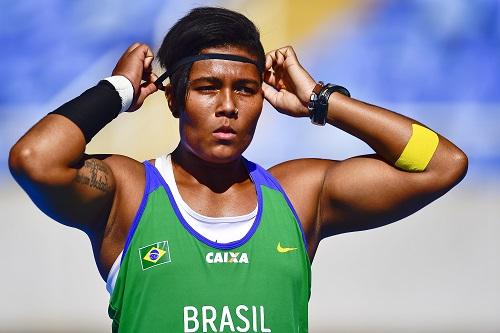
x=263 y=177
x=152 y=183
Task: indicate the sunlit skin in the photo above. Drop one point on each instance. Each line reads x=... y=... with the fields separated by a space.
x=207 y=163
x=209 y=125
x=331 y=197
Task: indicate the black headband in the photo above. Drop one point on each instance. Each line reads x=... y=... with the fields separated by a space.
x=205 y=56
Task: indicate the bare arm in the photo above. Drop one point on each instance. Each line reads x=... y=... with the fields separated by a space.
x=49 y=161
x=72 y=188
x=363 y=192
x=369 y=191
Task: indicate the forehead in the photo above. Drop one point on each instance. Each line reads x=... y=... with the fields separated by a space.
x=225 y=69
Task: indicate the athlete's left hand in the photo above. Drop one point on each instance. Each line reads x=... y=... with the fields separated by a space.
x=287 y=85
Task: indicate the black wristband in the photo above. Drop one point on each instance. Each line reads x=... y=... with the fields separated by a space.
x=318 y=115
x=93 y=109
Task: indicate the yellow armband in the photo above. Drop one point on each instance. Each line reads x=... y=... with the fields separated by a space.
x=419 y=149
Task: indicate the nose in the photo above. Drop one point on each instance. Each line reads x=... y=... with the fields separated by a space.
x=227 y=106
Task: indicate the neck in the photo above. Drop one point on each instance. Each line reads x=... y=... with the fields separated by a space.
x=219 y=177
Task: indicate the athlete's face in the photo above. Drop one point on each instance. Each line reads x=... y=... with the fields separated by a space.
x=210 y=127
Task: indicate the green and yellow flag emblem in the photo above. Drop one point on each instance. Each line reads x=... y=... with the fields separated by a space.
x=154 y=254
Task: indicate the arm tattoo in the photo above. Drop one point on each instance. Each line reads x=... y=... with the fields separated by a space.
x=94 y=175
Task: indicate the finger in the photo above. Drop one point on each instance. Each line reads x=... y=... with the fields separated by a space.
x=269 y=91
x=302 y=81
x=146 y=89
x=275 y=80
x=141 y=50
x=149 y=56
x=152 y=77
x=146 y=56
x=270 y=94
x=284 y=101
x=268 y=63
x=279 y=99
x=147 y=68
x=133 y=47
x=147 y=63
x=280 y=57
x=149 y=52
x=275 y=71
x=289 y=56
x=270 y=78
x=272 y=59
x=269 y=60
x=149 y=77
x=289 y=51
x=146 y=74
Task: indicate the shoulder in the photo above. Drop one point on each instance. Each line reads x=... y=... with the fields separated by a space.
x=130 y=182
x=296 y=174
x=129 y=177
x=302 y=181
x=329 y=176
x=121 y=171
x=121 y=164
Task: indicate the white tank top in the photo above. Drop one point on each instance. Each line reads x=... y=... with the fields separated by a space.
x=217 y=229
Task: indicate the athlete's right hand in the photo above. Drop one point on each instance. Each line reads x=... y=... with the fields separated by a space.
x=135 y=65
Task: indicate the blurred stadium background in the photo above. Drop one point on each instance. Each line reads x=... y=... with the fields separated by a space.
x=434 y=60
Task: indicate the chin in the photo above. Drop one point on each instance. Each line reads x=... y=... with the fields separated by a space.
x=223 y=154
x=219 y=154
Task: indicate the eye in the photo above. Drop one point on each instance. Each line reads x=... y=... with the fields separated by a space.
x=246 y=90
x=206 y=88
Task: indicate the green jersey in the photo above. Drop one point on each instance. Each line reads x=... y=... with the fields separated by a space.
x=172 y=279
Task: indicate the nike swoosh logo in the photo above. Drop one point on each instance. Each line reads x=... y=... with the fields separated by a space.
x=284 y=249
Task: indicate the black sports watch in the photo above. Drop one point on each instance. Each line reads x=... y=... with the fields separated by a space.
x=319 y=112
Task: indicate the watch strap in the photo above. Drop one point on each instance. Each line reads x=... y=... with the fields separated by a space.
x=319 y=113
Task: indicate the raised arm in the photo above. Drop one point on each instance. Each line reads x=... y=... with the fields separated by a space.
x=370 y=191
x=49 y=161
x=412 y=165
x=49 y=164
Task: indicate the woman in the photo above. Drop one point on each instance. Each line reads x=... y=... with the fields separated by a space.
x=202 y=240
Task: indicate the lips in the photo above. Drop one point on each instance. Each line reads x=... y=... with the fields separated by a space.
x=224 y=133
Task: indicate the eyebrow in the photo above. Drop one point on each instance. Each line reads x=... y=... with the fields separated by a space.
x=213 y=79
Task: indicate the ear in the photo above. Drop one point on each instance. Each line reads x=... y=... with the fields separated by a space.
x=169 y=94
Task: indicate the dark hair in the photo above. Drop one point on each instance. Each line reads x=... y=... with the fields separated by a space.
x=201 y=28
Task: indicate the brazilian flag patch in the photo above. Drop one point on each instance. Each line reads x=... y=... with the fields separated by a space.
x=154 y=255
